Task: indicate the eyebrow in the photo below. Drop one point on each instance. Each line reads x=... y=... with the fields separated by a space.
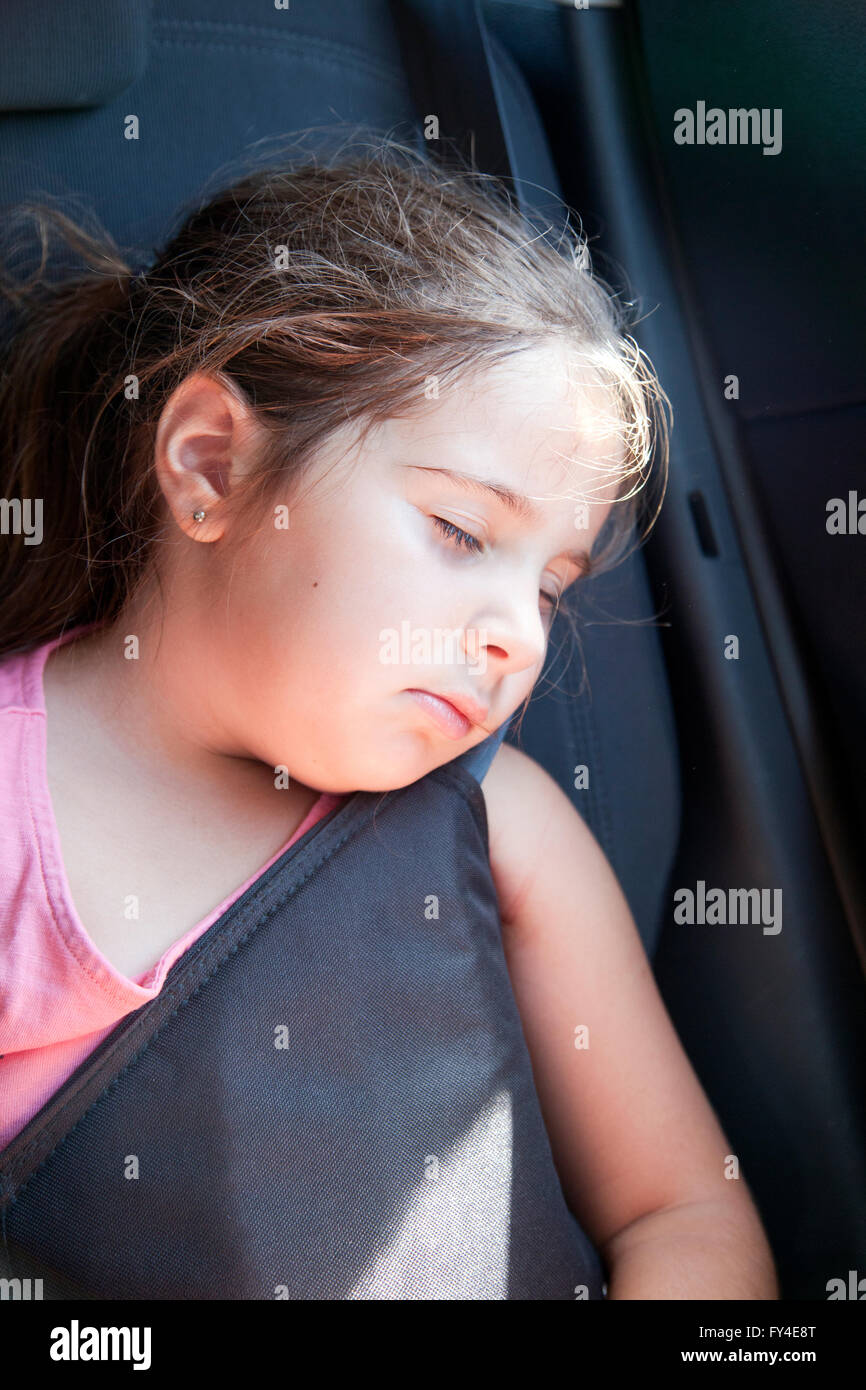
x=516 y=503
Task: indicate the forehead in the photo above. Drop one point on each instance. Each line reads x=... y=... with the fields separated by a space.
x=540 y=421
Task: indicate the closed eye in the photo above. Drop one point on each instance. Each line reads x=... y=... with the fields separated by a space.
x=463 y=539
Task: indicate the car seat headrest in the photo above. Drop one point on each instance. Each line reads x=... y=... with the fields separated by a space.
x=78 y=53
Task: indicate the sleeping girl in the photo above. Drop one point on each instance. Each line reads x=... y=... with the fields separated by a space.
x=294 y=1002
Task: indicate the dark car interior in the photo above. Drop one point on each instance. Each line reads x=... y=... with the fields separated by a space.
x=746 y=266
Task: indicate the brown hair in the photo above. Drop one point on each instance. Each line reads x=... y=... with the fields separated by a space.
x=327 y=290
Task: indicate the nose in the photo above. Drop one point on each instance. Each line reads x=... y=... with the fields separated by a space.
x=513 y=637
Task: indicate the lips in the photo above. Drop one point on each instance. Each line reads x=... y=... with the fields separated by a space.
x=454 y=719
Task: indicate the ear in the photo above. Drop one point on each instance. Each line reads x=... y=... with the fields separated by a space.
x=206 y=441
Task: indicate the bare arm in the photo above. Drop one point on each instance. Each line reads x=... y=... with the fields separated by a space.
x=693 y=1250
x=638 y=1148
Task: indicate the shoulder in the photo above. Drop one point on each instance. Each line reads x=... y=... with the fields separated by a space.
x=529 y=817
x=514 y=784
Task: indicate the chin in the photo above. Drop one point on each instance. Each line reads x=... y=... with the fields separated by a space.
x=390 y=775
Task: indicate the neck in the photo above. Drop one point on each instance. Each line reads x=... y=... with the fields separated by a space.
x=144 y=688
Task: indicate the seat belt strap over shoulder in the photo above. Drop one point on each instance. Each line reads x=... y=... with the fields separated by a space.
x=447 y=55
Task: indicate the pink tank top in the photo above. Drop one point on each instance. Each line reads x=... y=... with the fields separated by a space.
x=59 y=996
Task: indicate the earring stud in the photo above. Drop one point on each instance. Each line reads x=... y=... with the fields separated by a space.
x=198 y=516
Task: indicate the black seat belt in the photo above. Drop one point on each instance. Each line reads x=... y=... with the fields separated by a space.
x=447 y=57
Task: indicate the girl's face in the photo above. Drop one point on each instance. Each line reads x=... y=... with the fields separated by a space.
x=385 y=574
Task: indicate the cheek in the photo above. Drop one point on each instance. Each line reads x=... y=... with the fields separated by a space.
x=383 y=570
x=321 y=593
